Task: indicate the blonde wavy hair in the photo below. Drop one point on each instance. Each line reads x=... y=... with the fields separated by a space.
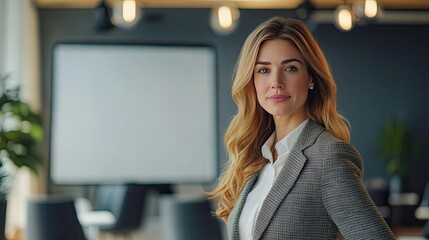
x=252 y=125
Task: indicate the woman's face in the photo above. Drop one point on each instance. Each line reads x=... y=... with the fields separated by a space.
x=281 y=79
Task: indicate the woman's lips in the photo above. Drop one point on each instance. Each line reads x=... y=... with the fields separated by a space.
x=279 y=97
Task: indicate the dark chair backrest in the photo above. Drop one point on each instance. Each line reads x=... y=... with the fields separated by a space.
x=425 y=203
x=186 y=219
x=53 y=219
x=125 y=202
x=425 y=197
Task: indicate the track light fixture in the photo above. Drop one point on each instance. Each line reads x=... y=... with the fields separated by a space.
x=102 y=17
x=304 y=10
x=347 y=15
x=125 y=14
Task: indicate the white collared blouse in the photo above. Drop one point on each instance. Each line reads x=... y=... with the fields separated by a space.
x=266 y=180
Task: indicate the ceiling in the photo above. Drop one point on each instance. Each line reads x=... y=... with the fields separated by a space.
x=282 y=4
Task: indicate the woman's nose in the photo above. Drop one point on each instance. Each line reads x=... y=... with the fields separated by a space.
x=277 y=81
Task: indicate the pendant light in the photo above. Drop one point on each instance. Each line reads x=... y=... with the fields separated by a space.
x=370 y=8
x=344 y=19
x=224 y=18
x=126 y=13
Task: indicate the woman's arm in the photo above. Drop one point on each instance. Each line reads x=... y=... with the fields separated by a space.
x=345 y=197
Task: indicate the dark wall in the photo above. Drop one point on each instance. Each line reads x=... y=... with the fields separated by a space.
x=380 y=70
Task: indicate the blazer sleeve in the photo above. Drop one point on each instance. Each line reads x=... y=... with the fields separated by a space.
x=345 y=197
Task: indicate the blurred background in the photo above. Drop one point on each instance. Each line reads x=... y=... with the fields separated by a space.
x=378 y=52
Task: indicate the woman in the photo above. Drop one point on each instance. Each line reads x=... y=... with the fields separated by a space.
x=292 y=173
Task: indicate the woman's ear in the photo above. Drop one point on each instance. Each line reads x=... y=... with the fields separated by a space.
x=311 y=83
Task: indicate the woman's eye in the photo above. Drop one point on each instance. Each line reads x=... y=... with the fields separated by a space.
x=290 y=69
x=263 y=70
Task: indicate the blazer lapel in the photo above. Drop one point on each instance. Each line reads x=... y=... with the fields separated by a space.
x=234 y=216
x=287 y=176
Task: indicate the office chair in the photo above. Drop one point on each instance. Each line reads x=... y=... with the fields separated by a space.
x=188 y=219
x=422 y=211
x=125 y=202
x=53 y=218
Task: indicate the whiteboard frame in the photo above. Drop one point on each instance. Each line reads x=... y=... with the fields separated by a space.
x=85 y=180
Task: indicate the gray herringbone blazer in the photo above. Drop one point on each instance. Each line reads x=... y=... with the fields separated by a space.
x=319 y=194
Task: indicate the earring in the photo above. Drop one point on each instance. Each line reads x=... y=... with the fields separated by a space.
x=311 y=87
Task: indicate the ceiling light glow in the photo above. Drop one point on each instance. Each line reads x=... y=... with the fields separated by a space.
x=371 y=8
x=129 y=8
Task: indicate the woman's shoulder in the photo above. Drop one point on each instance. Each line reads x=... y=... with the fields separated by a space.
x=332 y=149
x=319 y=140
x=326 y=141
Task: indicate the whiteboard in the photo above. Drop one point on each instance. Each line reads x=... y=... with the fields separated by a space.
x=133 y=114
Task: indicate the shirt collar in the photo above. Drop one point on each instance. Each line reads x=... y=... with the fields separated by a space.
x=283 y=146
x=266 y=148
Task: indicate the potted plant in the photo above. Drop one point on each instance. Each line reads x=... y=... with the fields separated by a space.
x=20 y=133
x=396 y=144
